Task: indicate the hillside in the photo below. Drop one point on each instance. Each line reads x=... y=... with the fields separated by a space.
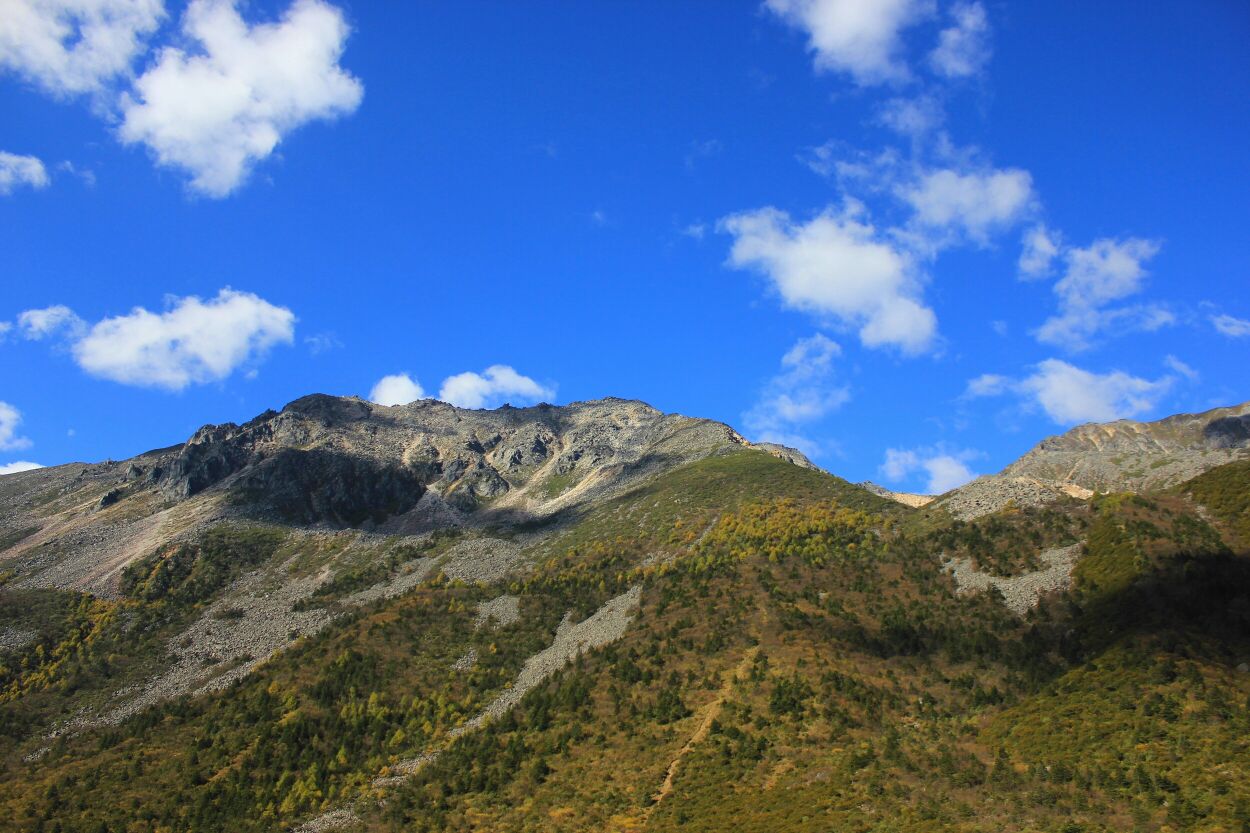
x=601 y=617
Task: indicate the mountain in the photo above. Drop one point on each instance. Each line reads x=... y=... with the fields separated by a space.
x=336 y=463
x=1116 y=456
x=603 y=617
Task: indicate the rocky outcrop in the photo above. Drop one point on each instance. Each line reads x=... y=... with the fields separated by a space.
x=1128 y=455
x=342 y=462
x=320 y=486
x=906 y=498
x=1109 y=457
x=311 y=460
x=1019 y=593
x=790 y=455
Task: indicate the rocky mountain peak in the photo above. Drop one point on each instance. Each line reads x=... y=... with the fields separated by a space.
x=308 y=462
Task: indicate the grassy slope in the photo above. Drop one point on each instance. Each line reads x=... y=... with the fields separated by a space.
x=840 y=682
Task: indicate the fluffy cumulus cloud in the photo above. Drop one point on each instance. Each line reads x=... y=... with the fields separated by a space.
x=218 y=110
x=837 y=266
x=75 y=46
x=974 y=203
x=493 y=387
x=18 y=465
x=1096 y=277
x=963 y=48
x=1070 y=395
x=857 y=37
x=1231 y=326
x=804 y=391
x=21 y=171
x=943 y=470
x=10 y=418
x=396 y=389
x=192 y=342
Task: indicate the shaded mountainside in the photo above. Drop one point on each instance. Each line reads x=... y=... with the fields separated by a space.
x=649 y=626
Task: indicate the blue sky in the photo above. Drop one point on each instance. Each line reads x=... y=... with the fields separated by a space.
x=912 y=237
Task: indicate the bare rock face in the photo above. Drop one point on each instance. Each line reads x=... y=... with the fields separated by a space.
x=791 y=455
x=1128 y=455
x=320 y=486
x=906 y=498
x=1114 y=456
x=341 y=462
x=344 y=461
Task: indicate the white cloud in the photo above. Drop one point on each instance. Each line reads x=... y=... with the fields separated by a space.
x=987 y=384
x=38 y=324
x=1107 y=270
x=216 y=113
x=912 y=117
x=192 y=342
x=835 y=265
x=1096 y=276
x=396 y=389
x=975 y=202
x=322 y=343
x=1070 y=395
x=806 y=390
x=86 y=175
x=858 y=37
x=964 y=48
x=74 y=46
x=1230 y=326
x=493 y=387
x=946 y=473
x=1176 y=365
x=16 y=171
x=1038 y=250
x=10 y=418
x=944 y=470
x=18 y=465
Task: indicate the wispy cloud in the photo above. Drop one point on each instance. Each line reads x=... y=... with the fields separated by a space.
x=806 y=390
x=1069 y=394
x=1095 y=277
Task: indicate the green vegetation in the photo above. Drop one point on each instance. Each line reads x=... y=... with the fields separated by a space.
x=379 y=569
x=558 y=484
x=1008 y=542
x=800 y=661
x=1225 y=491
x=191 y=572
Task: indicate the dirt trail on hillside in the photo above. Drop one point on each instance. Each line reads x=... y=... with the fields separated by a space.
x=711 y=711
